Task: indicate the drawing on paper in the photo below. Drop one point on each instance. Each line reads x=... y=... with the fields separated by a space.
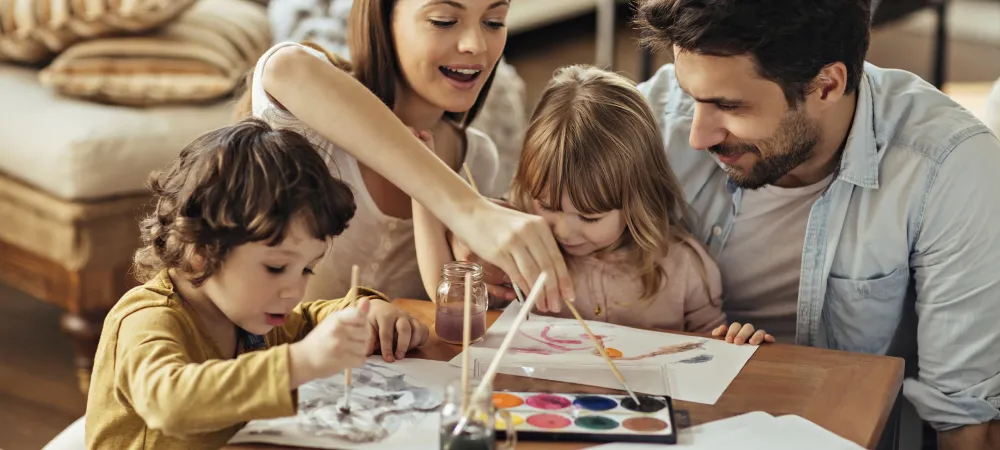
x=567 y=339
x=698 y=369
x=382 y=401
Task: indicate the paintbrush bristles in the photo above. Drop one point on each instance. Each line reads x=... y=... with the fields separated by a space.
x=466 y=337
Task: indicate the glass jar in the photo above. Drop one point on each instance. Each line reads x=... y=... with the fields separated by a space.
x=450 y=303
x=477 y=432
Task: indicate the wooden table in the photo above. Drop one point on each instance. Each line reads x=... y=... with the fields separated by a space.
x=849 y=394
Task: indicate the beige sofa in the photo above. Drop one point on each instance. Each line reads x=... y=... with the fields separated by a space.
x=72 y=177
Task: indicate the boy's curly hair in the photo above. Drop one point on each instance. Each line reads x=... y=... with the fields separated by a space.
x=238 y=184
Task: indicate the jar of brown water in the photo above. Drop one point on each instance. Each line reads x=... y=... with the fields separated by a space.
x=450 y=302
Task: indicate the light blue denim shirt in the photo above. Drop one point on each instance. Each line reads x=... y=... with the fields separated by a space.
x=902 y=251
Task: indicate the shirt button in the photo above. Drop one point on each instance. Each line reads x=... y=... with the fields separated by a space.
x=392 y=226
x=387 y=246
x=374 y=266
x=716 y=230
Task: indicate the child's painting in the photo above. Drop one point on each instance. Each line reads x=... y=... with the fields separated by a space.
x=392 y=404
x=699 y=369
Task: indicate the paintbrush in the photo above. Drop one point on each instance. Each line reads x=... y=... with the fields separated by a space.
x=353 y=296
x=466 y=337
x=491 y=372
x=602 y=351
x=520 y=298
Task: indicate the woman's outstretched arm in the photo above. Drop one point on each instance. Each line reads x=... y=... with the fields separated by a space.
x=341 y=109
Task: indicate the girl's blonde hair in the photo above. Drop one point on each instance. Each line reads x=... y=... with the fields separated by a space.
x=594 y=135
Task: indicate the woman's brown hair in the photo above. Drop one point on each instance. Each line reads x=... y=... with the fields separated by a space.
x=234 y=185
x=594 y=136
x=373 y=60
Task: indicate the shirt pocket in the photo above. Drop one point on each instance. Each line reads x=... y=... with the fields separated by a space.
x=861 y=315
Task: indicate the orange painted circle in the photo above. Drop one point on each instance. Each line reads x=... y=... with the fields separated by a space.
x=503 y=401
x=613 y=352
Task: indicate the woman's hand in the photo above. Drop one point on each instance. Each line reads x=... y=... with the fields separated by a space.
x=522 y=246
x=498 y=284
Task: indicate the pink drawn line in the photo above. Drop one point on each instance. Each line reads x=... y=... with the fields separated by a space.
x=550 y=344
x=545 y=335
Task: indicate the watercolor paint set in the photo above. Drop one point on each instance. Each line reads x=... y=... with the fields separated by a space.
x=588 y=417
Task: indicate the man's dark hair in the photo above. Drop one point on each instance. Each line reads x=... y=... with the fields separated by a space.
x=789 y=41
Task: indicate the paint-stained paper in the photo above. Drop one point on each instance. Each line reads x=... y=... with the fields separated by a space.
x=697 y=369
x=392 y=405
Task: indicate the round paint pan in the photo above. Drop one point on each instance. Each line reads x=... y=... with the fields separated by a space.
x=644 y=424
x=548 y=402
x=549 y=421
x=599 y=423
x=595 y=403
x=647 y=404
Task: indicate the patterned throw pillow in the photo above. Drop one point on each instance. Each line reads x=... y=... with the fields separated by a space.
x=34 y=31
x=199 y=57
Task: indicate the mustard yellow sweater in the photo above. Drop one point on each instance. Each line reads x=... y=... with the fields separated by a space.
x=160 y=382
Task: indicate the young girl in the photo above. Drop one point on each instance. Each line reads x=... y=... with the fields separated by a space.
x=217 y=337
x=594 y=167
x=431 y=63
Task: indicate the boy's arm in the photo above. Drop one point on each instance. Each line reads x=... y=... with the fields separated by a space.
x=433 y=251
x=156 y=377
x=306 y=315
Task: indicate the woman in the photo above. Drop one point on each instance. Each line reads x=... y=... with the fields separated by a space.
x=426 y=65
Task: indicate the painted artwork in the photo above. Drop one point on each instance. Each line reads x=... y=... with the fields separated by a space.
x=390 y=404
x=698 y=369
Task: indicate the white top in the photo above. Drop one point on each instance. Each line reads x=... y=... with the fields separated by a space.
x=382 y=246
x=769 y=230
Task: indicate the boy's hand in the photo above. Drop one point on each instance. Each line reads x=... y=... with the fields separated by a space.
x=338 y=342
x=745 y=334
x=391 y=325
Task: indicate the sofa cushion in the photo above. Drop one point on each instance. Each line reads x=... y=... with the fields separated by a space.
x=33 y=31
x=200 y=56
x=76 y=150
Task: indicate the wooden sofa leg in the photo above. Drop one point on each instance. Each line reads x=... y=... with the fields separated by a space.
x=84 y=329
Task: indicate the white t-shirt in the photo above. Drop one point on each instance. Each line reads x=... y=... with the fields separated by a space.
x=382 y=246
x=761 y=262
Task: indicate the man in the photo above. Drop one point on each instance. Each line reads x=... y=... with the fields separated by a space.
x=849 y=207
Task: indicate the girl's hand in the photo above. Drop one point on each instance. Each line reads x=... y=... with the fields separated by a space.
x=338 y=342
x=425 y=136
x=391 y=325
x=736 y=334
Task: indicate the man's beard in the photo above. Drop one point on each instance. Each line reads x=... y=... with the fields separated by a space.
x=792 y=144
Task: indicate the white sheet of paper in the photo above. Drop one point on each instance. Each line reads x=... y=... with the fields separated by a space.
x=699 y=369
x=403 y=387
x=752 y=431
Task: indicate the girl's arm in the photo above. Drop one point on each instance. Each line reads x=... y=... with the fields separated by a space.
x=430 y=237
x=342 y=110
x=429 y=234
